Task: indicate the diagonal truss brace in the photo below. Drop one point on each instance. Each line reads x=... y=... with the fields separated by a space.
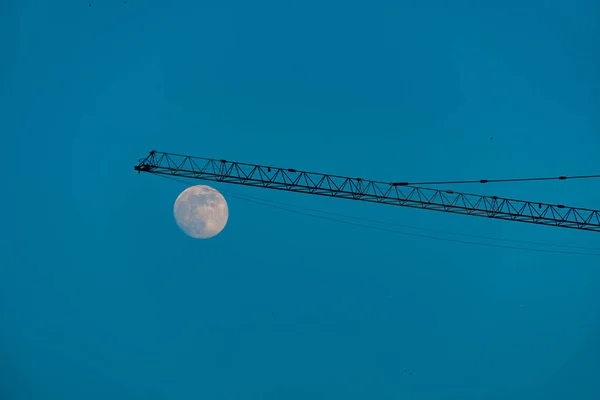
x=393 y=193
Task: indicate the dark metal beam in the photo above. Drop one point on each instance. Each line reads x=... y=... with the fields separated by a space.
x=393 y=193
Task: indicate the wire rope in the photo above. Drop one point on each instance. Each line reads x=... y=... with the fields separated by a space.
x=560 y=178
x=264 y=202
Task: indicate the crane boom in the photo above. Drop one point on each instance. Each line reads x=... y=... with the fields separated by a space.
x=393 y=193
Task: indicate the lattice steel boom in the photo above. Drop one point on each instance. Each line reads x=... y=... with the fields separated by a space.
x=393 y=193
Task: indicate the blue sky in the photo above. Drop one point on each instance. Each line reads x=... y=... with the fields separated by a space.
x=102 y=295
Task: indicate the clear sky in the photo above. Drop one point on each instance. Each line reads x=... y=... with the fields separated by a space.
x=102 y=295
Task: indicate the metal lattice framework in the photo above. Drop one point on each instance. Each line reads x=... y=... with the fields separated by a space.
x=393 y=193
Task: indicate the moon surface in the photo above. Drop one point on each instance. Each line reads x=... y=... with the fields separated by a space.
x=201 y=212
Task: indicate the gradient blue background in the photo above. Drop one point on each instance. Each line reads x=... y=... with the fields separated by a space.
x=102 y=296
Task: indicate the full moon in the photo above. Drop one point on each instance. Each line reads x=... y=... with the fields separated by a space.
x=201 y=212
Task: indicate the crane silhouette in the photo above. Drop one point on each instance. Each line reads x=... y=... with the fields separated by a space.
x=402 y=194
